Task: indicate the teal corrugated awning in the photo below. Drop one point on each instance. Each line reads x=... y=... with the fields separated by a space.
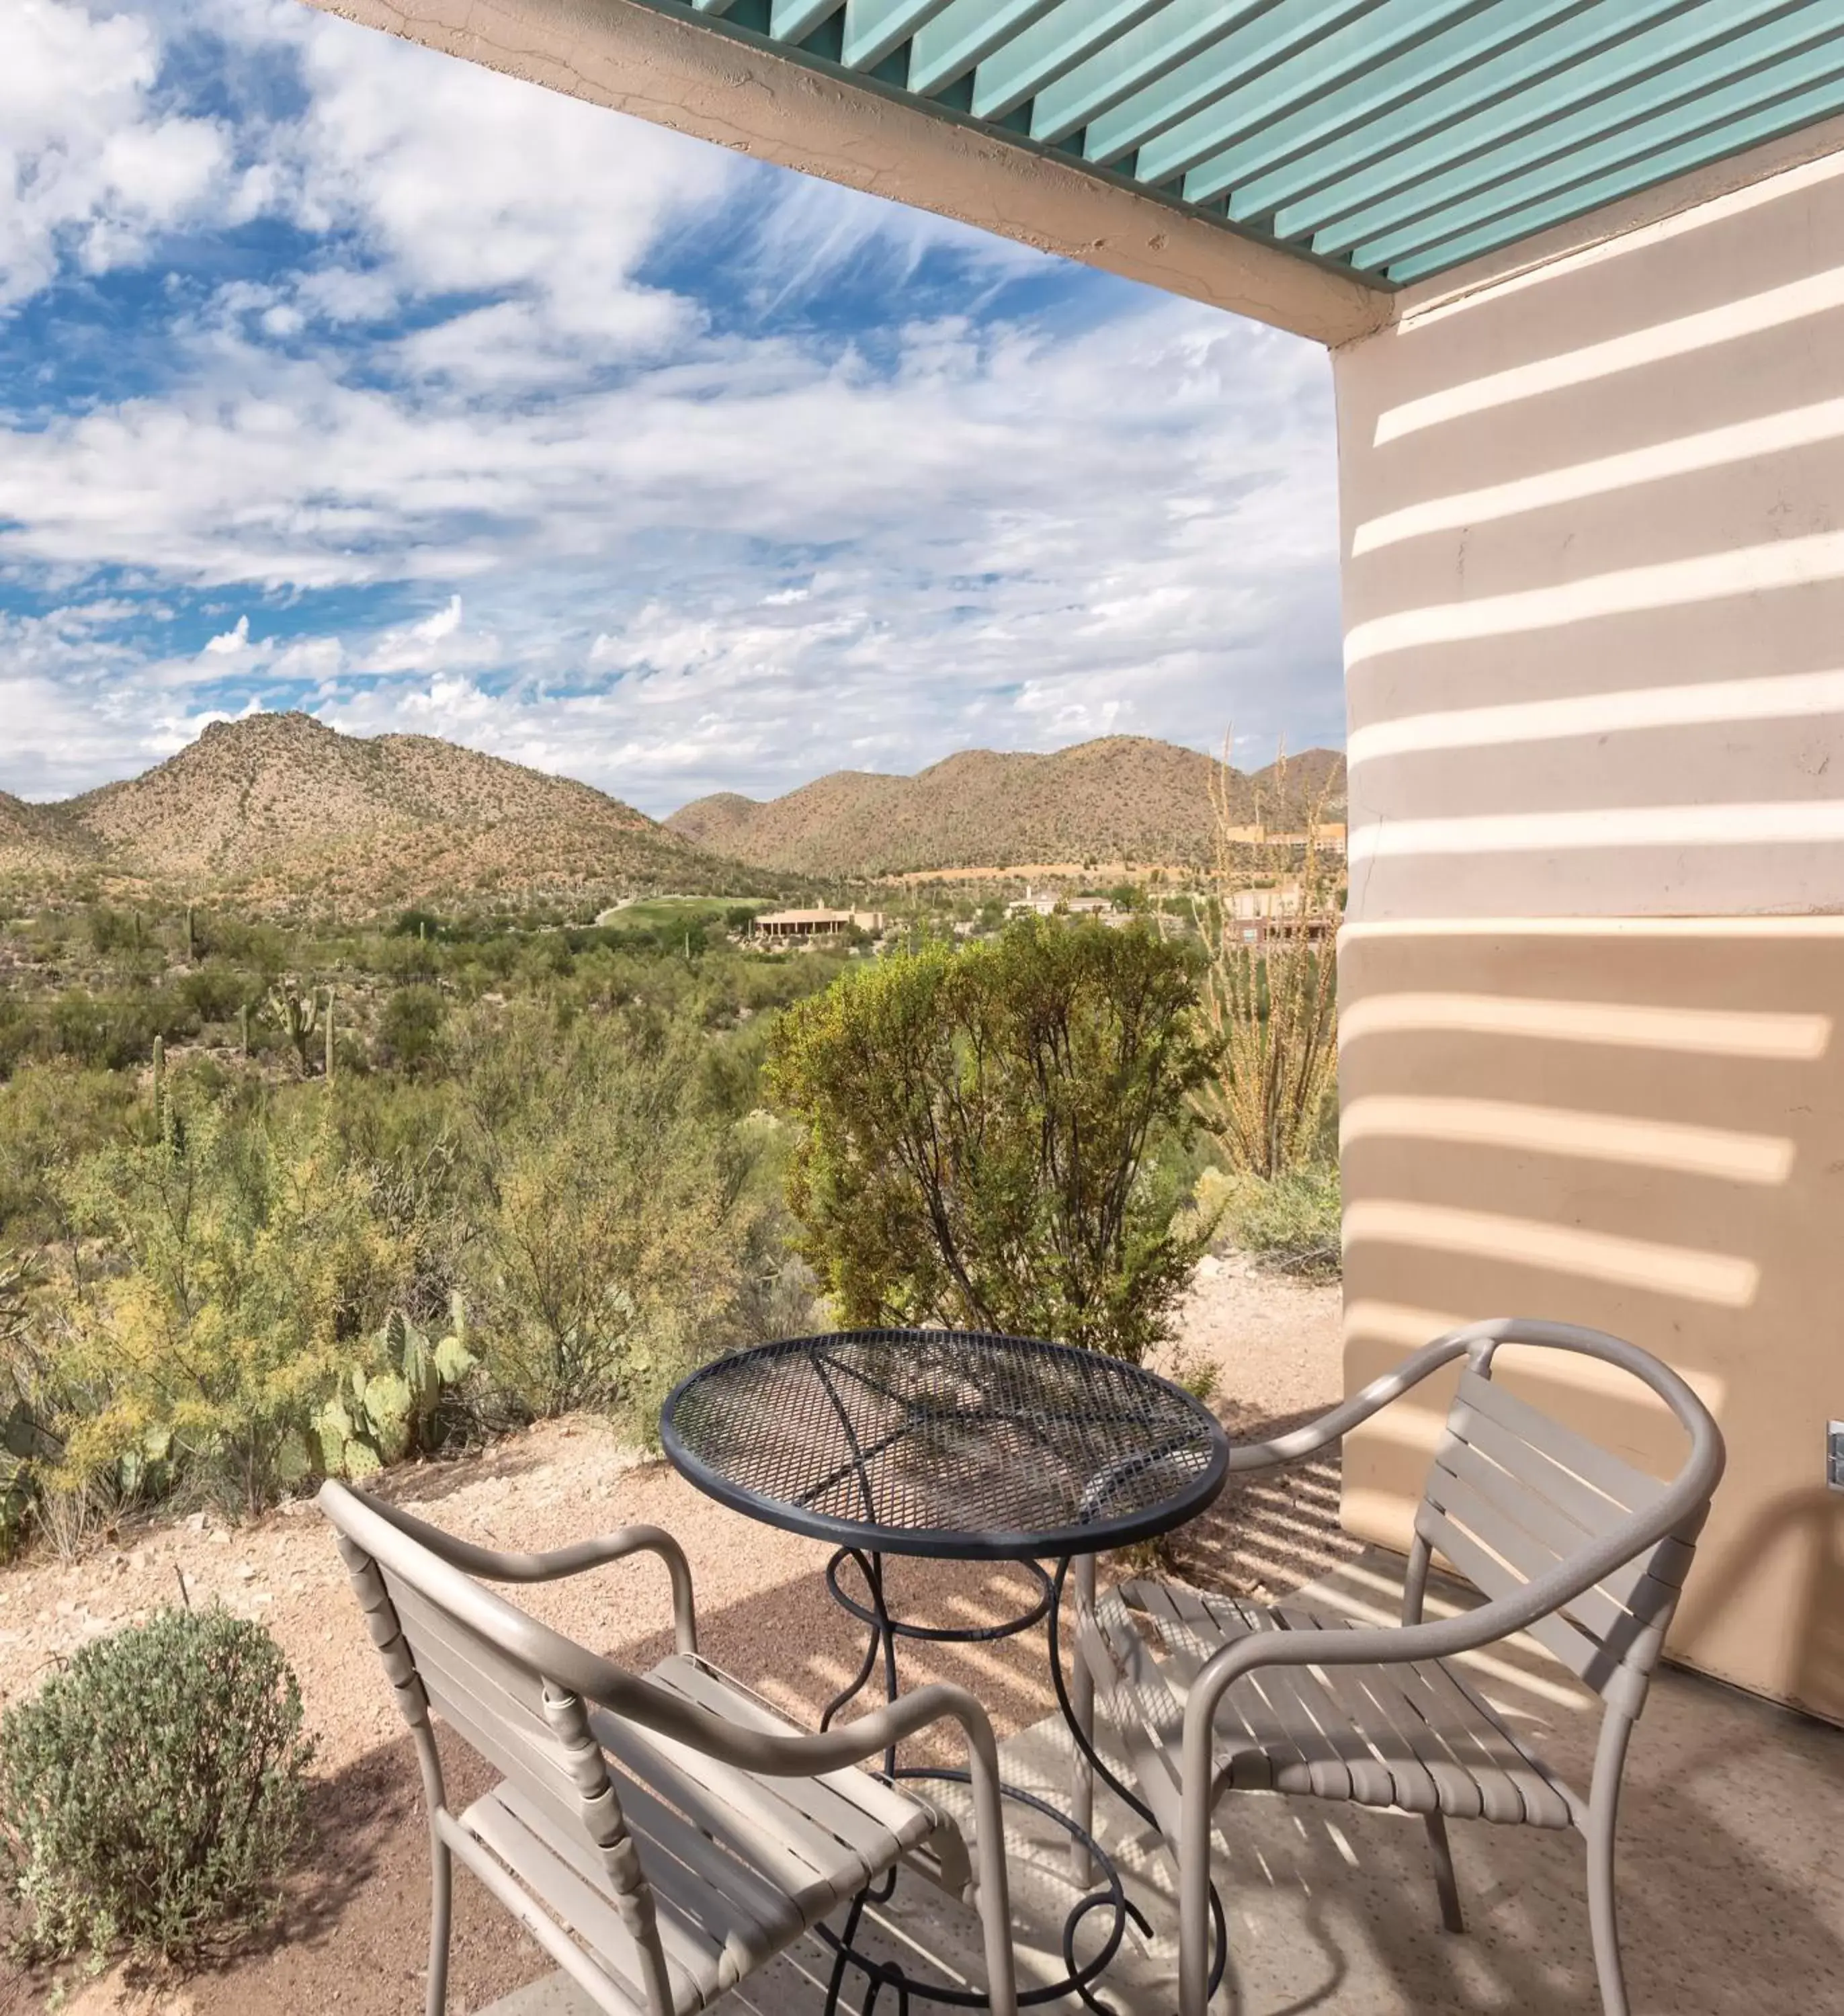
x=1392 y=138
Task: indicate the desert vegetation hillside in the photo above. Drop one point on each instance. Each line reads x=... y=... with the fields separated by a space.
x=280 y=807
x=1122 y=798
x=40 y=841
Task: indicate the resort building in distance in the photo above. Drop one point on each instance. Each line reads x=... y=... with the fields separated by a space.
x=787 y=927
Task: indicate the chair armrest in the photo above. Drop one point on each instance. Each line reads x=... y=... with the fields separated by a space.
x=1400 y=1644
x=1359 y=1407
x=813 y=1755
x=489 y=1564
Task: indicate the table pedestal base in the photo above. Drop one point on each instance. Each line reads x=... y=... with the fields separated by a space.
x=1090 y=1861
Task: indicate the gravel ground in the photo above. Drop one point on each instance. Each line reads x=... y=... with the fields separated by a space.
x=351 y=1934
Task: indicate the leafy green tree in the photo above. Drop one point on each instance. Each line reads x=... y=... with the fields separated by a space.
x=980 y=1128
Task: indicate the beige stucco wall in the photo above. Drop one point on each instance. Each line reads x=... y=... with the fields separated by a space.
x=1592 y=981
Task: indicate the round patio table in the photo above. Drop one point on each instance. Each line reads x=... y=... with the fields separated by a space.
x=957 y=1445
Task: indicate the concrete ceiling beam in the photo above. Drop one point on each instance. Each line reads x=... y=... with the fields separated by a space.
x=695 y=78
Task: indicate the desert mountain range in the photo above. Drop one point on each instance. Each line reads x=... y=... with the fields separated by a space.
x=1125 y=797
x=278 y=809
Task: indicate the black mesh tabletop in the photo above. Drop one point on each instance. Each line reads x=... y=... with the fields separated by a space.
x=949 y=1443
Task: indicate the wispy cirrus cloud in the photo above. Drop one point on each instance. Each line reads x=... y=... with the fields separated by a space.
x=428 y=400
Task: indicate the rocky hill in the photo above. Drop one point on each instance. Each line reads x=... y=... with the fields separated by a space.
x=280 y=808
x=40 y=842
x=1123 y=798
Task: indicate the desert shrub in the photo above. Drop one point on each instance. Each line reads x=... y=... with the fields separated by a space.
x=1289 y=1222
x=17 y=1033
x=980 y=1131
x=614 y=1227
x=216 y=990
x=411 y=1027
x=152 y=1793
x=51 y=1114
x=250 y=1271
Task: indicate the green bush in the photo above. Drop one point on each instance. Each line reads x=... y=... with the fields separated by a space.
x=1289 y=1222
x=615 y=1228
x=983 y=1133
x=411 y=1027
x=251 y=1269
x=151 y=1794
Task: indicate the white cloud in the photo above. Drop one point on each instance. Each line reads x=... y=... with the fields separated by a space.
x=89 y=167
x=443 y=623
x=694 y=521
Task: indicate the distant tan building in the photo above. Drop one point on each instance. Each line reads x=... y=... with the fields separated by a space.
x=787 y=927
x=1033 y=905
x=1258 y=916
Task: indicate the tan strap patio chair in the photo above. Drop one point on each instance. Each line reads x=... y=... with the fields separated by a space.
x=1567 y=1542
x=661 y=1836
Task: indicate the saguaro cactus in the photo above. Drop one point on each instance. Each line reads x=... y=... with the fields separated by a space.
x=330 y=1035
x=299 y=1017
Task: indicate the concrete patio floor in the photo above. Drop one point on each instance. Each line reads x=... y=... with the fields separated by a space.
x=1731 y=1876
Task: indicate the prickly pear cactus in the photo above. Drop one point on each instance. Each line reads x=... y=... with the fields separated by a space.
x=380 y=1417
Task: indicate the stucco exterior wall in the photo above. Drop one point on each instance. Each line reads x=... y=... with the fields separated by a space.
x=1593 y=976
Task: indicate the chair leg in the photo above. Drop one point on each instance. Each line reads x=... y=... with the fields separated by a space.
x=1603 y=1916
x=442 y=1898
x=1441 y=1855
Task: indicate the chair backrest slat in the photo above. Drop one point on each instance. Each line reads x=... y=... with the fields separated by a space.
x=490 y=1701
x=433 y=1627
x=1513 y=1494
x=1576 y=1651
x=1629 y=1489
x=1459 y=1468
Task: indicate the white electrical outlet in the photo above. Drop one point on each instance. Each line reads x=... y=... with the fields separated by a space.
x=1834 y=1455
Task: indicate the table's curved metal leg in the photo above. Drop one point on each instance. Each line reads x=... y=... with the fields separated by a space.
x=1083 y=1735
x=842 y=1953
x=878 y=1618
x=1081 y=1727
x=1089 y=1858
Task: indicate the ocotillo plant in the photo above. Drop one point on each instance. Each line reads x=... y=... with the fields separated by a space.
x=1273 y=1005
x=299 y=1016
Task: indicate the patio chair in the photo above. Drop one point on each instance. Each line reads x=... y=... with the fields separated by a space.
x=661 y=1836
x=1566 y=1540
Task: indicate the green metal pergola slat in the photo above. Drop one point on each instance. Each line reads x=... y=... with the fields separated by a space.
x=954 y=42
x=1556 y=142
x=1050 y=49
x=1135 y=60
x=793 y=21
x=1393 y=139
x=1450 y=160
x=1354 y=51
x=875 y=29
x=1238 y=64
x=1636 y=140
x=1824 y=102
x=1418 y=91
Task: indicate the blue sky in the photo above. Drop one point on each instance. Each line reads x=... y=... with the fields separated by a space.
x=338 y=375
